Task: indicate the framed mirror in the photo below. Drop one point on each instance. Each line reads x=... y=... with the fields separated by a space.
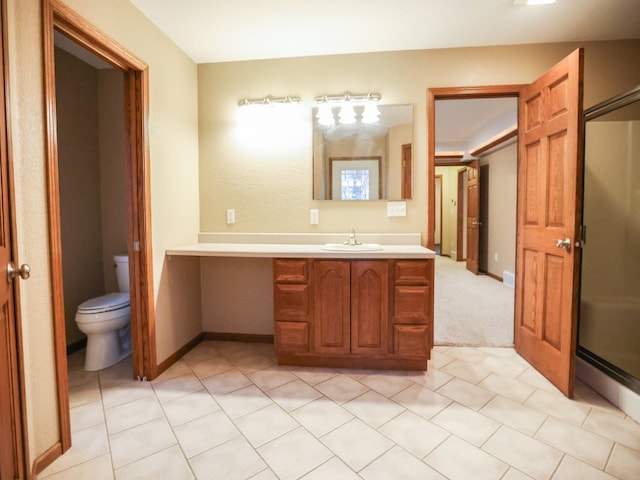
x=364 y=161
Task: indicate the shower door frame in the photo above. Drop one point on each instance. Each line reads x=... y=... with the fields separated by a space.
x=608 y=368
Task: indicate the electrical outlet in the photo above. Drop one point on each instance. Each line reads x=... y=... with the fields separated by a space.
x=314 y=216
x=231 y=216
x=495 y=257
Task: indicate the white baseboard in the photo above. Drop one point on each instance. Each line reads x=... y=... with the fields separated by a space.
x=625 y=399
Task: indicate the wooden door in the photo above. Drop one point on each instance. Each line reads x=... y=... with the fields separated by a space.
x=550 y=168
x=406 y=172
x=12 y=447
x=369 y=306
x=331 y=310
x=473 y=216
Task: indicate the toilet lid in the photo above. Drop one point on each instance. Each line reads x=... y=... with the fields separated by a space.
x=110 y=301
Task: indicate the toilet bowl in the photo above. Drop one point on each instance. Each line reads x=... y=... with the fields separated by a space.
x=105 y=320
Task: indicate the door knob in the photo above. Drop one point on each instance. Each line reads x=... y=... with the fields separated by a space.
x=564 y=243
x=24 y=271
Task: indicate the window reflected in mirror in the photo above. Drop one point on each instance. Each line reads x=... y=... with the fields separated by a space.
x=364 y=161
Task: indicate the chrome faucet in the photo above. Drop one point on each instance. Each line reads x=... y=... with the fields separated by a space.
x=352 y=238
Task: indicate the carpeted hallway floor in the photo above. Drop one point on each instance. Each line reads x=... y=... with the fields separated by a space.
x=474 y=310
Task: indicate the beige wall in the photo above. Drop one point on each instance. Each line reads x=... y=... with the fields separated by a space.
x=449 y=223
x=398 y=136
x=173 y=146
x=79 y=180
x=247 y=172
x=113 y=185
x=499 y=182
x=91 y=161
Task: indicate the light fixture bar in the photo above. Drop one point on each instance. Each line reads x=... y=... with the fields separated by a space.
x=268 y=100
x=349 y=97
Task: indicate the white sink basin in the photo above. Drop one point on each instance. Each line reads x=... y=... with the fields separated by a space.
x=342 y=247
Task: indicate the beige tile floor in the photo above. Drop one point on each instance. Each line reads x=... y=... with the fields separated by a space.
x=227 y=411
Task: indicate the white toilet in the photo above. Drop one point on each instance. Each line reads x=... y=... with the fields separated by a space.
x=105 y=321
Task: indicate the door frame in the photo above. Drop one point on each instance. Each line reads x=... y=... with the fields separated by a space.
x=57 y=16
x=461 y=220
x=452 y=93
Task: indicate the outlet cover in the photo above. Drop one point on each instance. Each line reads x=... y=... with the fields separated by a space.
x=231 y=216
x=314 y=216
x=396 y=209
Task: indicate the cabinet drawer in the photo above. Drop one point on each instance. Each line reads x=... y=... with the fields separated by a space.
x=292 y=337
x=291 y=271
x=291 y=302
x=410 y=339
x=411 y=304
x=413 y=272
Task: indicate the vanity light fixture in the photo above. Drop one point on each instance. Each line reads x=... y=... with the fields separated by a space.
x=268 y=101
x=347 y=112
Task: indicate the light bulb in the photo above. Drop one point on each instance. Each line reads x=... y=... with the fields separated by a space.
x=347 y=113
x=371 y=112
x=325 y=115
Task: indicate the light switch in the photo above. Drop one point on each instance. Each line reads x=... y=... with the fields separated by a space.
x=396 y=209
x=231 y=216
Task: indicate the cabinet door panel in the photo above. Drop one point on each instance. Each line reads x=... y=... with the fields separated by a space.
x=291 y=302
x=410 y=339
x=331 y=280
x=411 y=304
x=292 y=337
x=369 y=306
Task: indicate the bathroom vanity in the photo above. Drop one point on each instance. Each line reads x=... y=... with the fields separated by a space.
x=356 y=313
x=334 y=305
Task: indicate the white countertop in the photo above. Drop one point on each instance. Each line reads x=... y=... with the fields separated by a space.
x=280 y=250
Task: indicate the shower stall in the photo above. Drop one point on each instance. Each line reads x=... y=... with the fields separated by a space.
x=609 y=325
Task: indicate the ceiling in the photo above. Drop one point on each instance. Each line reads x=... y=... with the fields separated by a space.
x=237 y=30
x=233 y=30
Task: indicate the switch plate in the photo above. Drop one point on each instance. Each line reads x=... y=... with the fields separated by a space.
x=314 y=216
x=231 y=216
x=396 y=209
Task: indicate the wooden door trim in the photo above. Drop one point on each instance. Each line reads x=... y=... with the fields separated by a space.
x=58 y=16
x=461 y=253
x=406 y=175
x=444 y=93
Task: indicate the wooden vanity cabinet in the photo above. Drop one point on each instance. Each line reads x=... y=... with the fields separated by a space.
x=354 y=313
x=292 y=304
x=350 y=307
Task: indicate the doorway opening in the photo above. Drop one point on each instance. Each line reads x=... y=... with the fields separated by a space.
x=473 y=150
x=60 y=19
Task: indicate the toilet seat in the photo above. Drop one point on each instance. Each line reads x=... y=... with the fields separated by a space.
x=105 y=303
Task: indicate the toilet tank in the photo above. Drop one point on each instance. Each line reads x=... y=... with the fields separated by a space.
x=121 y=263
